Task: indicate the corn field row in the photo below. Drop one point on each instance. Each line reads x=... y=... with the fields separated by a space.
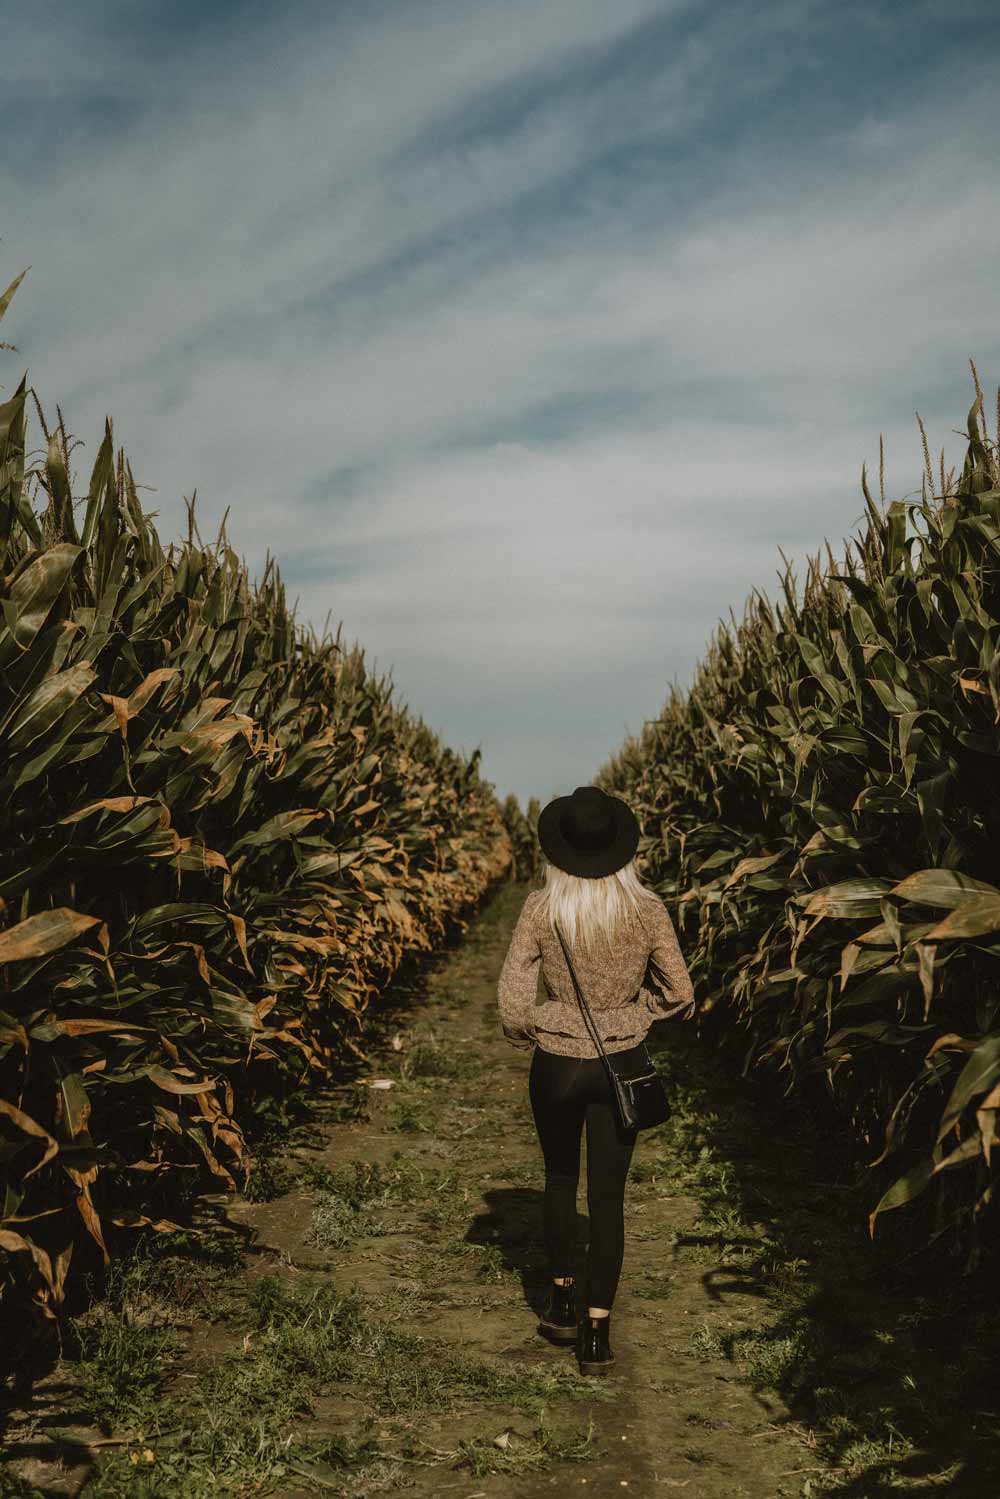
x=219 y=841
x=821 y=811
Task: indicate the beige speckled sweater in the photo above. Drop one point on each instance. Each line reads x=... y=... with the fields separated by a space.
x=624 y=990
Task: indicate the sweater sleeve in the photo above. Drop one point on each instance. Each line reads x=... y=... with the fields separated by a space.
x=667 y=971
x=518 y=982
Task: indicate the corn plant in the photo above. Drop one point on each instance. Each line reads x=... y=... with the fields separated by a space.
x=522 y=831
x=821 y=811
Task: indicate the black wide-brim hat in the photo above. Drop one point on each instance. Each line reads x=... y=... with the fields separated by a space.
x=590 y=833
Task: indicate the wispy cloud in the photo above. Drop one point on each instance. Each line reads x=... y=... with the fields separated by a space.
x=523 y=336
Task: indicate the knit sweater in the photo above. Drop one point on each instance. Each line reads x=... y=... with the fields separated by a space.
x=624 y=988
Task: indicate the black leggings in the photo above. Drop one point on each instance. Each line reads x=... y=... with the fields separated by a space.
x=564 y=1092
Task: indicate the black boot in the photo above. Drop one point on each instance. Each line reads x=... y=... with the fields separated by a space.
x=559 y=1317
x=593 y=1351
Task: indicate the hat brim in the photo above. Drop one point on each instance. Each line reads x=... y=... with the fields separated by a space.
x=587 y=863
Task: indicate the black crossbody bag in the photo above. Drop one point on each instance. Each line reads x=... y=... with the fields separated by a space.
x=640 y=1100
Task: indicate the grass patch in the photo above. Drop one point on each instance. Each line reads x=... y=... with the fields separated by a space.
x=350 y=1198
x=237 y=1424
x=126 y=1343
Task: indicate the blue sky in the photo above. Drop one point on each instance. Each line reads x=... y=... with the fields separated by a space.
x=522 y=335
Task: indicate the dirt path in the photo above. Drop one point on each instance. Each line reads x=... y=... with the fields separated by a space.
x=668 y=1415
x=381 y=1333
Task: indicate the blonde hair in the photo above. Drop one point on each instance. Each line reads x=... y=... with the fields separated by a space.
x=591 y=911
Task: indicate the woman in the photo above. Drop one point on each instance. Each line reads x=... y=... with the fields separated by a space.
x=623 y=947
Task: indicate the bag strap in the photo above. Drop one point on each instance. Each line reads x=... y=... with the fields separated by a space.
x=595 y=1034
